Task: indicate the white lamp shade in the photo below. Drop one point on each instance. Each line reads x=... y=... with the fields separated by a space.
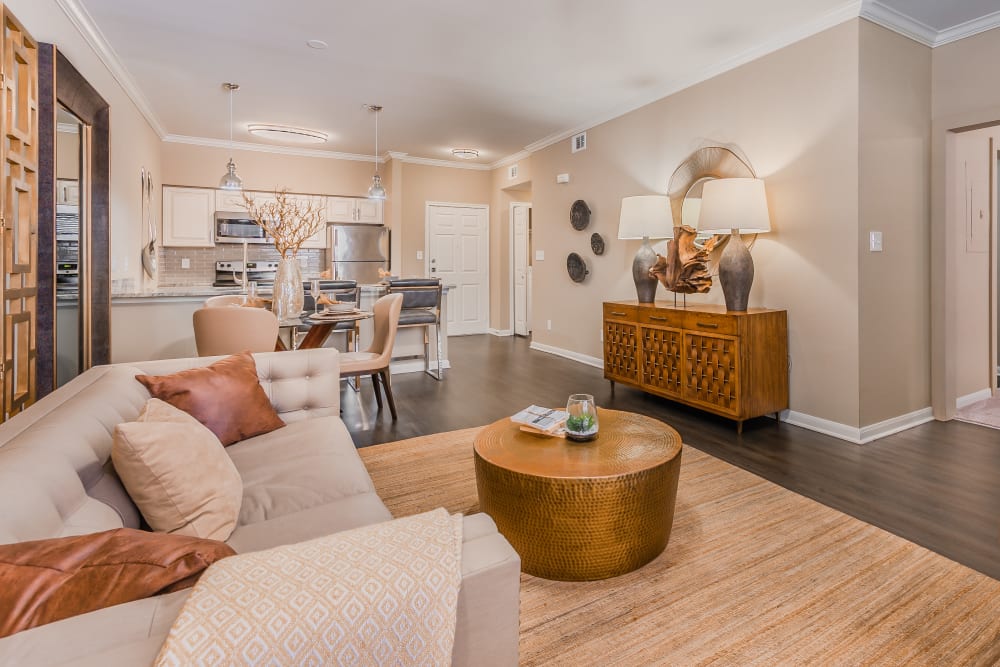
x=690 y=212
x=646 y=216
x=734 y=203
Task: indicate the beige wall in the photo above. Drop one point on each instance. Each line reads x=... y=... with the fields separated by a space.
x=505 y=191
x=894 y=195
x=421 y=184
x=68 y=155
x=795 y=114
x=964 y=94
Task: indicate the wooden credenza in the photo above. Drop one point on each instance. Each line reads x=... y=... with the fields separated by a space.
x=732 y=364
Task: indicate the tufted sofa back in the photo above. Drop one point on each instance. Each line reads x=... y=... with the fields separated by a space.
x=56 y=476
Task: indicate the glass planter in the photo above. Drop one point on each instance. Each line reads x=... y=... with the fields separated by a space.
x=581 y=424
x=288 y=297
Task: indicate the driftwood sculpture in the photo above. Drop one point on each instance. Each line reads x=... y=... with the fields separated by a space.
x=685 y=268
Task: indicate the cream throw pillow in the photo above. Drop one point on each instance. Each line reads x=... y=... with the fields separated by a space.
x=178 y=473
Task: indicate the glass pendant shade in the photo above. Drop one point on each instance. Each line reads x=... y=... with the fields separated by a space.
x=376 y=191
x=231 y=181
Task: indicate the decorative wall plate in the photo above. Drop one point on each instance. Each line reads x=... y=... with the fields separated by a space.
x=597 y=243
x=576 y=267
x=579 y=215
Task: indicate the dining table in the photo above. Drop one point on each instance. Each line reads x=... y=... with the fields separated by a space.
x=320 y=326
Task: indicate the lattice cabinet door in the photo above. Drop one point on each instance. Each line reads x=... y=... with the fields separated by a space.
x=621 y=351
x=662 y=359
x=712 y=371
x=19 y=214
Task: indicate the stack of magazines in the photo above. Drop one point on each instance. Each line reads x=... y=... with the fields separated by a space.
x=544 y=421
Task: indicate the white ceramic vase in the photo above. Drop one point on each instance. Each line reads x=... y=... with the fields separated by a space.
x=289 y=296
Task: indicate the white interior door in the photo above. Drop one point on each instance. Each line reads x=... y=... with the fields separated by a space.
x=458 y=253
x=521 y=213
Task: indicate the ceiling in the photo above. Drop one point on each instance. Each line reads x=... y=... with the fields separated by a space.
x=497 y=77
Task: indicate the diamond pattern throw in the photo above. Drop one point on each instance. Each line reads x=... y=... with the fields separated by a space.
x=385 y=594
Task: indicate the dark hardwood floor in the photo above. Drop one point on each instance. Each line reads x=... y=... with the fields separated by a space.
x=937 y=485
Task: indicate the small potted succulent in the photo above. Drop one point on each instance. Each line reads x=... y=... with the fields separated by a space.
x=581 y=424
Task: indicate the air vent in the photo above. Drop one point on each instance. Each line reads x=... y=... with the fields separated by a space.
x=579 y=142
x=512 y=172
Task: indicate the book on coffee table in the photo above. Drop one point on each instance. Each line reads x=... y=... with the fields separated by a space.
x=546 y=421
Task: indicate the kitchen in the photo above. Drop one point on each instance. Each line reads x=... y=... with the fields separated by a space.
x=152 y=319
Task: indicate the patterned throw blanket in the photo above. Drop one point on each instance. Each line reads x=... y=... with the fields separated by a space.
x=385 y=594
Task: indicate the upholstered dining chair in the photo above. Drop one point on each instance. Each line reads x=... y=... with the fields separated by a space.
x=232 y=330
x=421 y=308
x=375 y=360
x=344 y=291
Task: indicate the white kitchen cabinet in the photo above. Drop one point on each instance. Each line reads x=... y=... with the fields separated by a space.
x=230 y=201
x=67 y=192
x=354 y=209
x=188 y=217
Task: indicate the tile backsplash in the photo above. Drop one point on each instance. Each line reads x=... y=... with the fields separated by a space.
x=202 y=270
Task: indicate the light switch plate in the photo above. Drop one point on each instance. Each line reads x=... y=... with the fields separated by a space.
x=185 y=263
x=420 y=254
x=539 y=255
x=875 y=241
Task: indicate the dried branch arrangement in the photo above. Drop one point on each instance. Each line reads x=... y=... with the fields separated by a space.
x=685 y=268
x=289 y=222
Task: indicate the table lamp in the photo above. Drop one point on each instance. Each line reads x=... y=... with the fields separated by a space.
x=734 y=206
x=645 y=217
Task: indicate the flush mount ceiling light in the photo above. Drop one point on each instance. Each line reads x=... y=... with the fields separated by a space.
x=376 y=191
x=317 y=44
x=231 y=181
x=465 y=153
x=288 y=133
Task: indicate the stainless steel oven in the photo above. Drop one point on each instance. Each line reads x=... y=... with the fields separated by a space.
x=237 y=228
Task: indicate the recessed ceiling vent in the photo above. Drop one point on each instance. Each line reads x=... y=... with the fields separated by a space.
x=579 y=142
x=512 y=172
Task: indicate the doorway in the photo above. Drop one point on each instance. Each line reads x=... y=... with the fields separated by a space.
x=457 y=242
x=520 y=243
x=69 y=269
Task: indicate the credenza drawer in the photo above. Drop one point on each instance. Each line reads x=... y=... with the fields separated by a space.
x=662 y=317
x=615 y=311
x=710 y=323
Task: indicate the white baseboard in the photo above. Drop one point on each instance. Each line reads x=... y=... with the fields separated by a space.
x=569 y=354
x=500 y=332
x=974 y=397
x=859 y=436
x=414 y=366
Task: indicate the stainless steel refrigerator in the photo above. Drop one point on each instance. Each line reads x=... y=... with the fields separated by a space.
x=357 y=252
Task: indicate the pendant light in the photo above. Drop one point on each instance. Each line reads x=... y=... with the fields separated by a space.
x=376 y=191
x=231 y=181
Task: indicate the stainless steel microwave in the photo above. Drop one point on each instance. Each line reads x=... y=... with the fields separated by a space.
x=237 y=228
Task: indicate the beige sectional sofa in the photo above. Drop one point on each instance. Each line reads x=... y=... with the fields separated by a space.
x=302 y=481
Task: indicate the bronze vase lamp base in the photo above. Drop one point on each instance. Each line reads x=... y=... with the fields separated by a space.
x=736 y=273
x=645 y=283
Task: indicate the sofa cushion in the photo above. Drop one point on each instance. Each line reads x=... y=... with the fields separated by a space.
x=303 y=465
x=225 y=396
x=177 y=472
x=49 y=580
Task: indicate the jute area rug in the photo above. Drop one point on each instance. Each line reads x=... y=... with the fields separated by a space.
x=753 y=575
x=985 y=412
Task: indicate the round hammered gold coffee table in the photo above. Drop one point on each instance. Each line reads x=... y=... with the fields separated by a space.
x=581 y=511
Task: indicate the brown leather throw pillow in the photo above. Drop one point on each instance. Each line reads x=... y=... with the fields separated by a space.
x=225 y=396
x=48 y=580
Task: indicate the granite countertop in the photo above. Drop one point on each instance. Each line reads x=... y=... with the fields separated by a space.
x=204 y=291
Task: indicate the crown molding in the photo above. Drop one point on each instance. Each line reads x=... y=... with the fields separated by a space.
x=892 y=19
x=85 y=25
x=846 y=12
x=511 y=159
x=406 y=158
x=267 y=148
x=968 y=29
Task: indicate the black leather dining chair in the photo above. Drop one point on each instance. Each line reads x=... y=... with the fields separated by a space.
x=421 y=308
x=342 y=290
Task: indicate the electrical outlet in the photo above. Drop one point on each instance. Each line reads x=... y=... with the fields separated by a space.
x=548 y=324
x=185 y=263
x=875 y=241
x=420 y=254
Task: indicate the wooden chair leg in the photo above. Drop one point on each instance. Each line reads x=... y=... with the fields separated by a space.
x=388 y=392
x=378 y=396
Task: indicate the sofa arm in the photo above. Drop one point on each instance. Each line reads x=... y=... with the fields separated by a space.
x=487 y=630
x=300 y=383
